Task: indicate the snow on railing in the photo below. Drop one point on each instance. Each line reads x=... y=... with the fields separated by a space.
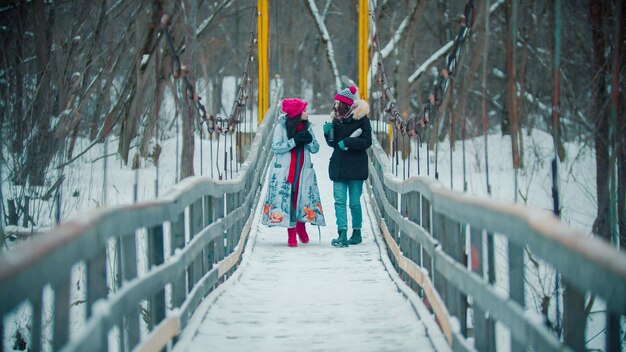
x=442 y=243
x=190 y=238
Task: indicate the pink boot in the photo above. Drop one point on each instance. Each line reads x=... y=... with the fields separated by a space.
x=301 y=230
x=291 y=239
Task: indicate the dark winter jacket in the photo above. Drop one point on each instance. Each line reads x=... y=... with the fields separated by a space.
x=351 y=164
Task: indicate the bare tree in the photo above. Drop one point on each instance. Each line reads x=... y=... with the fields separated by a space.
x=618 y=100
x=597 y=12
x=323 y=33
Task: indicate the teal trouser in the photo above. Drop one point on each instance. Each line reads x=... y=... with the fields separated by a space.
x=353 y=189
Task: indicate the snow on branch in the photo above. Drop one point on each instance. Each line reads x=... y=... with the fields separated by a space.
x=444 y=50
x=203 y=26
x=207 y=21
x=431 y=60
x=330 y=53
x=373 y=70
x=396 y=37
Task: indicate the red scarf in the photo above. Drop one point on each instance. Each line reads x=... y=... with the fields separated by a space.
x=294 y=157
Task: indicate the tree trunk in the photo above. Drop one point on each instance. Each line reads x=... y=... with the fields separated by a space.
x=18 y=84
x=186 y=161
x=135 y=84
x=618 y=96
x=511 y=39
x=159 y=87
x=600 y=118
x=40 y=153
x=403 y=96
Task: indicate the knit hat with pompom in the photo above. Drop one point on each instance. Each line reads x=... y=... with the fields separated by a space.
x=346 y=95
x=293 y=106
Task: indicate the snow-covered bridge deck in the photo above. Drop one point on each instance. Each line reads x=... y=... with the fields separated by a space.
x=314 y=297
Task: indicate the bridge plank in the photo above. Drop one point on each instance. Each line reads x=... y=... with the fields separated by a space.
x=311 y=304
x=161 y=335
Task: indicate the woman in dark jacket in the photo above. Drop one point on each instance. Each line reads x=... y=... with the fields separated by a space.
x=349 y=134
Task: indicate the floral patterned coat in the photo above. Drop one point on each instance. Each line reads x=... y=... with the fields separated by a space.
x=278 y=203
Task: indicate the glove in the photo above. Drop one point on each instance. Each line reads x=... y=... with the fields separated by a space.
x=327 y=128
x=303 y=138
x=342 y=146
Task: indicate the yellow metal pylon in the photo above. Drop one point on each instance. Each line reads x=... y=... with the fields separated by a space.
x=363 y=47
x=262 y=39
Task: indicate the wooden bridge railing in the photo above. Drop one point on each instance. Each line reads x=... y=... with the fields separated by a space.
x=429 y=231
x=202 y=223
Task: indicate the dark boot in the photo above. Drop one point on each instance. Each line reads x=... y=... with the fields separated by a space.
x=356 y=237
x=291 y=237
x=301 y=231
x=342 y=240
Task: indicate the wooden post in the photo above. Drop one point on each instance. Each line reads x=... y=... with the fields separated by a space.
x=405 y=241
x=516 y=284
x=26 y=211
x=129 y=271
x=438 y=232
x=574 y=319
x=117 y=265
x=12 y=212
x=208 y=211
x=156 y=256
x=410 y=209
x=218 y=212
x=614 y=336
x=61 y=313
x=484 y=336
x=426 y=216
x=177 y=241
x=456 y=242
x=96 y=279
x=231 y=204
x=209 y=250
x=195 y=270
x=392 y=197
x=35 y=337
x=415 y=216
x=427 y=260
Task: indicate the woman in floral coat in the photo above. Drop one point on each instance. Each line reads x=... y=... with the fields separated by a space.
x=293 y=196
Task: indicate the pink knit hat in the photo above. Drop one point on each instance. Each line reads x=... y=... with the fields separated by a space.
x=293 y=106
x=346 y=95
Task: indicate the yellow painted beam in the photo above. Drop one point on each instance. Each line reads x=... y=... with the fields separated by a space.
x=262 y=39
x=363 y=47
